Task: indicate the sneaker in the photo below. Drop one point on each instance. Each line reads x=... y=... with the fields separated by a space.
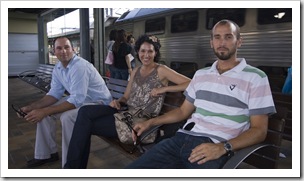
x=37 y=162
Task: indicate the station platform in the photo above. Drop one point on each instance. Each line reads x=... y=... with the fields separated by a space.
x=21 y=137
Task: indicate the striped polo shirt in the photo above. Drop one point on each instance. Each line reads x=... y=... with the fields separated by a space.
x=225 y=102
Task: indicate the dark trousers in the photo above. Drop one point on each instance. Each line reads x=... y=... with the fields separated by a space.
x=173 y=153
x=91 y=120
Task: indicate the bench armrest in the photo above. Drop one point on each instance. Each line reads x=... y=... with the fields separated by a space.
x=242 y=154
x=148 y=132
x=144 y=148
x=27 y=73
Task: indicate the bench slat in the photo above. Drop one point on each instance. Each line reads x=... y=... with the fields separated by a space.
x=265 y=157
x=40 y=78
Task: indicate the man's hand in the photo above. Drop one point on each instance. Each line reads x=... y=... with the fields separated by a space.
x=205 y=152
x=140 y=127
x=22 y=112
x=35 y=116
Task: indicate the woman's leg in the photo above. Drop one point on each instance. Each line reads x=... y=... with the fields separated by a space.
x=79 y=147
x=104 y=126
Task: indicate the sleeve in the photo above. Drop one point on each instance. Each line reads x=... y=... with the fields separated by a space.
x=191 y=90
x=57 y=88
x=260 y=98
x=127 y=49
x=79 y=85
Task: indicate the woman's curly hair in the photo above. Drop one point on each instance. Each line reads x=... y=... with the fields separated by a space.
x=151 y=40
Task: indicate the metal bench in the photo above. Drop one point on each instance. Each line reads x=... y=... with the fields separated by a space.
x=40 y=78
x=285 y=100
x=262 y=155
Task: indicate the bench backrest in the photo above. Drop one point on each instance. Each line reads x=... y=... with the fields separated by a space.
x=285 y=100
x=44 y=71
x=276 y=76
x=117 y=87
x=268 y=157
x=40 y=78
x=172 y=100
x=186 y=68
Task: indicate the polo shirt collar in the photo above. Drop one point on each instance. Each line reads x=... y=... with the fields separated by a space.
x=237 y=68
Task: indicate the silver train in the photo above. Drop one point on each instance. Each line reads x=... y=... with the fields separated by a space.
x=185 y=33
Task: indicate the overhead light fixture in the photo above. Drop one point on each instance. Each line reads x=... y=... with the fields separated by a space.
x=279 y=15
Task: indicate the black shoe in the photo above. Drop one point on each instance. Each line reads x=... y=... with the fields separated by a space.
x=37 y=162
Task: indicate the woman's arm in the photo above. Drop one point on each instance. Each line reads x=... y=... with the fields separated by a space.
x=125 y=97
x=176 y=115
x=128 y=62
x=166 y=74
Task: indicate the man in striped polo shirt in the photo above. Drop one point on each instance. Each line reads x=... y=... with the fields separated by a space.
x=227 y=106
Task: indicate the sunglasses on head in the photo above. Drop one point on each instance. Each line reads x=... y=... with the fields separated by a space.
x=18 y=110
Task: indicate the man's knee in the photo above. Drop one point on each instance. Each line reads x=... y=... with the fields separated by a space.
x=68 y=116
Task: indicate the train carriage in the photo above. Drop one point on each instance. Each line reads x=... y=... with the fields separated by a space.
x=185 y=33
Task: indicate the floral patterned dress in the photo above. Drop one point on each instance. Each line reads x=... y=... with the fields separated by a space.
x=141 y=88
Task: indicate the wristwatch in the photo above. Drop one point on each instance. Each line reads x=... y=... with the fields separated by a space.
x=228 y=148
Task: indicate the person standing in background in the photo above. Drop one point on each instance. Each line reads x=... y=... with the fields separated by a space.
x=131 y=41
x=287 y=88
x=110 y=43
x=122 y=51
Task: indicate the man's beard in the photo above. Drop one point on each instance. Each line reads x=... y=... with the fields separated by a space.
x=224 y=56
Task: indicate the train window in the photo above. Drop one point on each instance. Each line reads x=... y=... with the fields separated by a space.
x=155 y=26
x=274 y=15
x=216 y=14
x=184 y=22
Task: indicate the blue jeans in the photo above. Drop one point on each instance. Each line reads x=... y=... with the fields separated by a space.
x=91 y=120
x=174 y=153
x=119 y=73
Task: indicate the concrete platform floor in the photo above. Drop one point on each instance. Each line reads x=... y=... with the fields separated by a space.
x=21 y=137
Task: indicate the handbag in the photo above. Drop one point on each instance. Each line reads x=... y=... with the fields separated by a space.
x=110 y=58
x=124 y=122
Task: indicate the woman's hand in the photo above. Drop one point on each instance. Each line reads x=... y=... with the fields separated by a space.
x=130 y=70
x=158 y=91
x=115 y=104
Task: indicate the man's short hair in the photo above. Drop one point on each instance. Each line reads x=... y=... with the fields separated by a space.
x=224 y=22
x=62 y=37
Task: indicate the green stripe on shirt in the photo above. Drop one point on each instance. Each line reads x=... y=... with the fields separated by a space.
x=254 y=70
x=236 y=118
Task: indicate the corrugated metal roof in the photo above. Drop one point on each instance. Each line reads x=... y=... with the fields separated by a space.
x=57 y=13
x=140 y=12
